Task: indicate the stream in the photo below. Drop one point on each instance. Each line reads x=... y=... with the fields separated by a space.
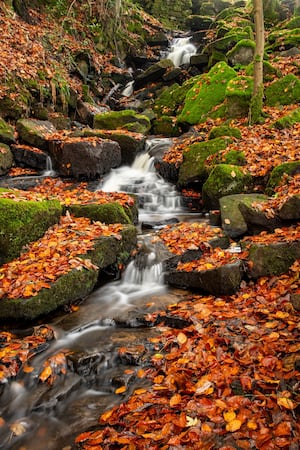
x=40 y=417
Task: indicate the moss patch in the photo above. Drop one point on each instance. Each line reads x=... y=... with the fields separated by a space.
x=289 y=168
x=6 y=132
x=127 y=119
x=289 y=120
x=24 y=222
x=207 y=93
x=106 y=213
x=285 y=91
x=224 y=130
x=238 y=96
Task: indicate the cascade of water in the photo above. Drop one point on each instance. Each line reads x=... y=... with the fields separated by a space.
x=49 y=172
x=155 y=195
x=181 y=51
x=128 y=90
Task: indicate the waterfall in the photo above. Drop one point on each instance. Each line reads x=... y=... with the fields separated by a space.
x=49 y=172
x=181 y=51
x=128 y=90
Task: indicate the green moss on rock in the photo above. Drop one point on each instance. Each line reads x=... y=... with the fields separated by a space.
x=6 y=159
x=7 y=132
x=166 y=126
x=238 y=96
x=206 y=94
x=269 y=71
x=106 y=213
x=24 y=222
x=289 y=120
x=289 y=168
x=224 y=179
x=224 y=130
x=126 y=119
x=193 y=168
x=242 y=53
x=284 y=91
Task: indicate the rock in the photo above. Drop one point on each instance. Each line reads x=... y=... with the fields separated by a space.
x=106 y=213
x=35 y=132
x=223 y=280
x=22 y=222
x=6 y=159
x=87 y=158
x=86 y=112
x=284 y=91
x=271 y=259
x=290 y=210
x=153 y=73
x=288 y=120
x=75 y=284
x=7 y=133
x=158 y=39
x=130 y=143
x=258 y=221
x=126 y=119
x=166 y=126
x=290 y=168
x=224 y=130
x=200 y=61
x=206 y=94
x=193 y=168
x=238 y=96
x=29 y=156
x=169 y=171
x=223 y=180
x=233 y=221
x=197 y=22
x=295 y=300
x=242 y=53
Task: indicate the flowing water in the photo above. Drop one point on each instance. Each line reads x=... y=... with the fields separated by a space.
x=181 y=51
x=38 y=417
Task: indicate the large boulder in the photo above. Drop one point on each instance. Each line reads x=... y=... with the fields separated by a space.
x=276 y=177
x=6 y=159
x=224 y=179
x=105 y=213
x=84 y=158
x=238 y=96
x=206 y=94
x=242 y=53
x=126 y=120
x=284 y=91
x=27 y=156
x=87 y=111
x=130 y=143
x=153 y=73
x=35 y=132
x=22 y=222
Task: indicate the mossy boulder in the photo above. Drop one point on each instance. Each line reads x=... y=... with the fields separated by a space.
x=288 y=120
x=276 y=176
x=242 y=53
x=7 y=132
x=224 y=130
x=238 y=96
x=75 y=284
x=283 y=40
x=269 y=71
x=196 y=22
x=35 y=132
x=290 y=209
x=166 y=126
x=224 y=179
x=22 y=222
x=234 y=157
x=206 y=94
x=106 y=213
x=272 y=259
x=6 y=159
x=293 y=23
x=193 y=168
x=284 y=91
x=126 y=119
x=171 y=98
x=233 y=221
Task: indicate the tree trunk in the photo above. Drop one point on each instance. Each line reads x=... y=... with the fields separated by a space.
x=258 y=88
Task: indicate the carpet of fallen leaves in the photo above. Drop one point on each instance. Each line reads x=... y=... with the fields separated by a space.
x=284 y=234
x=228 y=380
x=188 y=236
x=67 y=193
x=55 y=254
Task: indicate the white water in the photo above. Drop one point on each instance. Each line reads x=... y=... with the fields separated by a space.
x=49 y=172
x=156 y=196
x=181 y=51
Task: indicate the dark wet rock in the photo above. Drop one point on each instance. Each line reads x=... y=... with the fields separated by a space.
x=234 y=223
x=197 y=22
x=153 y=73
x=130 y=143
x=85 y=364
x=29 y=156
x=158 y=39
x=86 y=112
x=159 y=224
x=172 y=321
x=290 y=210
x=35 y=132
x=131 y=354
x=258 y=221
x=86 y=158
x=223 y=280
x=169 y=171
x=199 y=60
x=6 y=159
x=272 y=259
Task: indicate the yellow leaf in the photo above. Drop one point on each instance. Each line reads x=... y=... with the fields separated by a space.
x=140 y=391
x=286 y=403
x=191 y=421
x=175 y=399
x=120 y=390
x=205 y=428
x=234 y=425
x=282 y=314
x=229 y=416
x=181 y=338
x=252 y=425
x=46 y=373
